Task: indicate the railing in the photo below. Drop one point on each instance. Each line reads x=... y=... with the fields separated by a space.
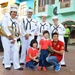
x=65 y=4
x=41 y=9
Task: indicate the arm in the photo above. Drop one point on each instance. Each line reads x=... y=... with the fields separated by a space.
x=62 y=30
x=23 y=32
x=5 y=26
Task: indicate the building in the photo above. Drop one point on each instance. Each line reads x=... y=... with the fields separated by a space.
x=5 y=6
x=24 y=5
x=64 y=9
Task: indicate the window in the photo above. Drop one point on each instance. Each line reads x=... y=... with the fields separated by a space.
x=23 y=9
x=64 y=3
x=4 y=7
x=42 y=3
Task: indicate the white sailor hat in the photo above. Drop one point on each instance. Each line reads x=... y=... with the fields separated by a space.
x=29 y=9
x=44 y=15
x=55 y=17
x=14 y=8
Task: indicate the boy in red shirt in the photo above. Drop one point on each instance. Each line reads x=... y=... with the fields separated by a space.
x=56 y=57
x=32 y=55
x=44 y=44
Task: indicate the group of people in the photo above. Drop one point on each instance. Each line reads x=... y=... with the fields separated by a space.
x=35 y=39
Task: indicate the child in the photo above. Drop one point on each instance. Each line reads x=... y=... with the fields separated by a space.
x=44 y=44
x=32 y=55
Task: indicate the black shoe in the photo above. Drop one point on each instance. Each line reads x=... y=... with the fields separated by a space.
x=11 y=64
x=20 y=68
x=64 y=65
x=8 y=68
x=21 y=63
x=66 y=51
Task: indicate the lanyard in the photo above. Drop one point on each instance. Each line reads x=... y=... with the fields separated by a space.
x=55 y=28
x=14 y=23
x=42 y=25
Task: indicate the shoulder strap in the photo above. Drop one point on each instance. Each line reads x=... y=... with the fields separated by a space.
x=24 y=24
x=55 y=28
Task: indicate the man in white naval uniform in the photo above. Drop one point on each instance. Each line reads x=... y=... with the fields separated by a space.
x=11 y=28
x=41 y=27
x=28 y=27
x=59 y=28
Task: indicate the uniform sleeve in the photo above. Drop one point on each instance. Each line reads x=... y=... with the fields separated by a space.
x=23 y=32
x=62 y=30
x=5 y=26
x=62 y=46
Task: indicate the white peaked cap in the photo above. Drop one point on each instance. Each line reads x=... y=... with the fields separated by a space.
x=30 y=10
x=44 y=15
x=14 y=8
x=55 y=17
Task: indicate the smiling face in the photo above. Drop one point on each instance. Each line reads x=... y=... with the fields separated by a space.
x=43 y=18
x=55 y=21
x=13 y=14
x=55 y=38
x=29 y=14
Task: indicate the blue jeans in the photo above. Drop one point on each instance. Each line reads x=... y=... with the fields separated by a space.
x=31 y=64
x=52 y=60
x=42 y=59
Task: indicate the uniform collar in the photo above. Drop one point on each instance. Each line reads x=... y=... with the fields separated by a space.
x=33 y=48
x=46 y=39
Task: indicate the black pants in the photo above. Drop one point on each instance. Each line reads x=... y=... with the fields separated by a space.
x=66 y=42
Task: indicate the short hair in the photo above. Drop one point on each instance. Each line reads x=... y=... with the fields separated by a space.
x=55 y=33
x=32 y=42
x=45 y=32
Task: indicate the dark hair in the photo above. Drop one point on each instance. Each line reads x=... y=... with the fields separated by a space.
x=45 y=32
x=54 y=34
x=32 y=42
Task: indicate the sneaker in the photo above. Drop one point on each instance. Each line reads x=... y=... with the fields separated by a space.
x=39 y=68
x=44 y=69
x=34 y=68
x=57 y=68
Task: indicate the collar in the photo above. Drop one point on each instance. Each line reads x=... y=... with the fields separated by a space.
x=46 y=39
x=33 y=48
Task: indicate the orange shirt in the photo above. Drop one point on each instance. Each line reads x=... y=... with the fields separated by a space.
x=45 y=43
x=59 y=46
x=33 y=53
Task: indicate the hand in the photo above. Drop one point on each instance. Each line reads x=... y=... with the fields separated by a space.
x=40 y=35
x=35 y=34
x=13 y=41
x=27 y=36
x=10 y=37
x=43 y=31
x=36 y=60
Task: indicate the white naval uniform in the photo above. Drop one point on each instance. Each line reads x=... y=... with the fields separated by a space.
x=28 y=26
x=42 y=26
x=8 y=47
x=61 y=31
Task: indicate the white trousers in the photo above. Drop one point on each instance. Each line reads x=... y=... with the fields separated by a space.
x=8 y=48
x=25 y=46
x=62 y=62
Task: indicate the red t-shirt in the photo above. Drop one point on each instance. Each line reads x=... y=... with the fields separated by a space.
x=45 y=43
x=33 y=53
x=59 y=46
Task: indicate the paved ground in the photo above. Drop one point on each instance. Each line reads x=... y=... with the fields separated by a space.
x=68 y=70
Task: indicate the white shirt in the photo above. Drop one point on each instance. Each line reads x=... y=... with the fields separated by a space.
x=28 y=26
x=7 y=22
x=42 y=26
x=60 y=29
